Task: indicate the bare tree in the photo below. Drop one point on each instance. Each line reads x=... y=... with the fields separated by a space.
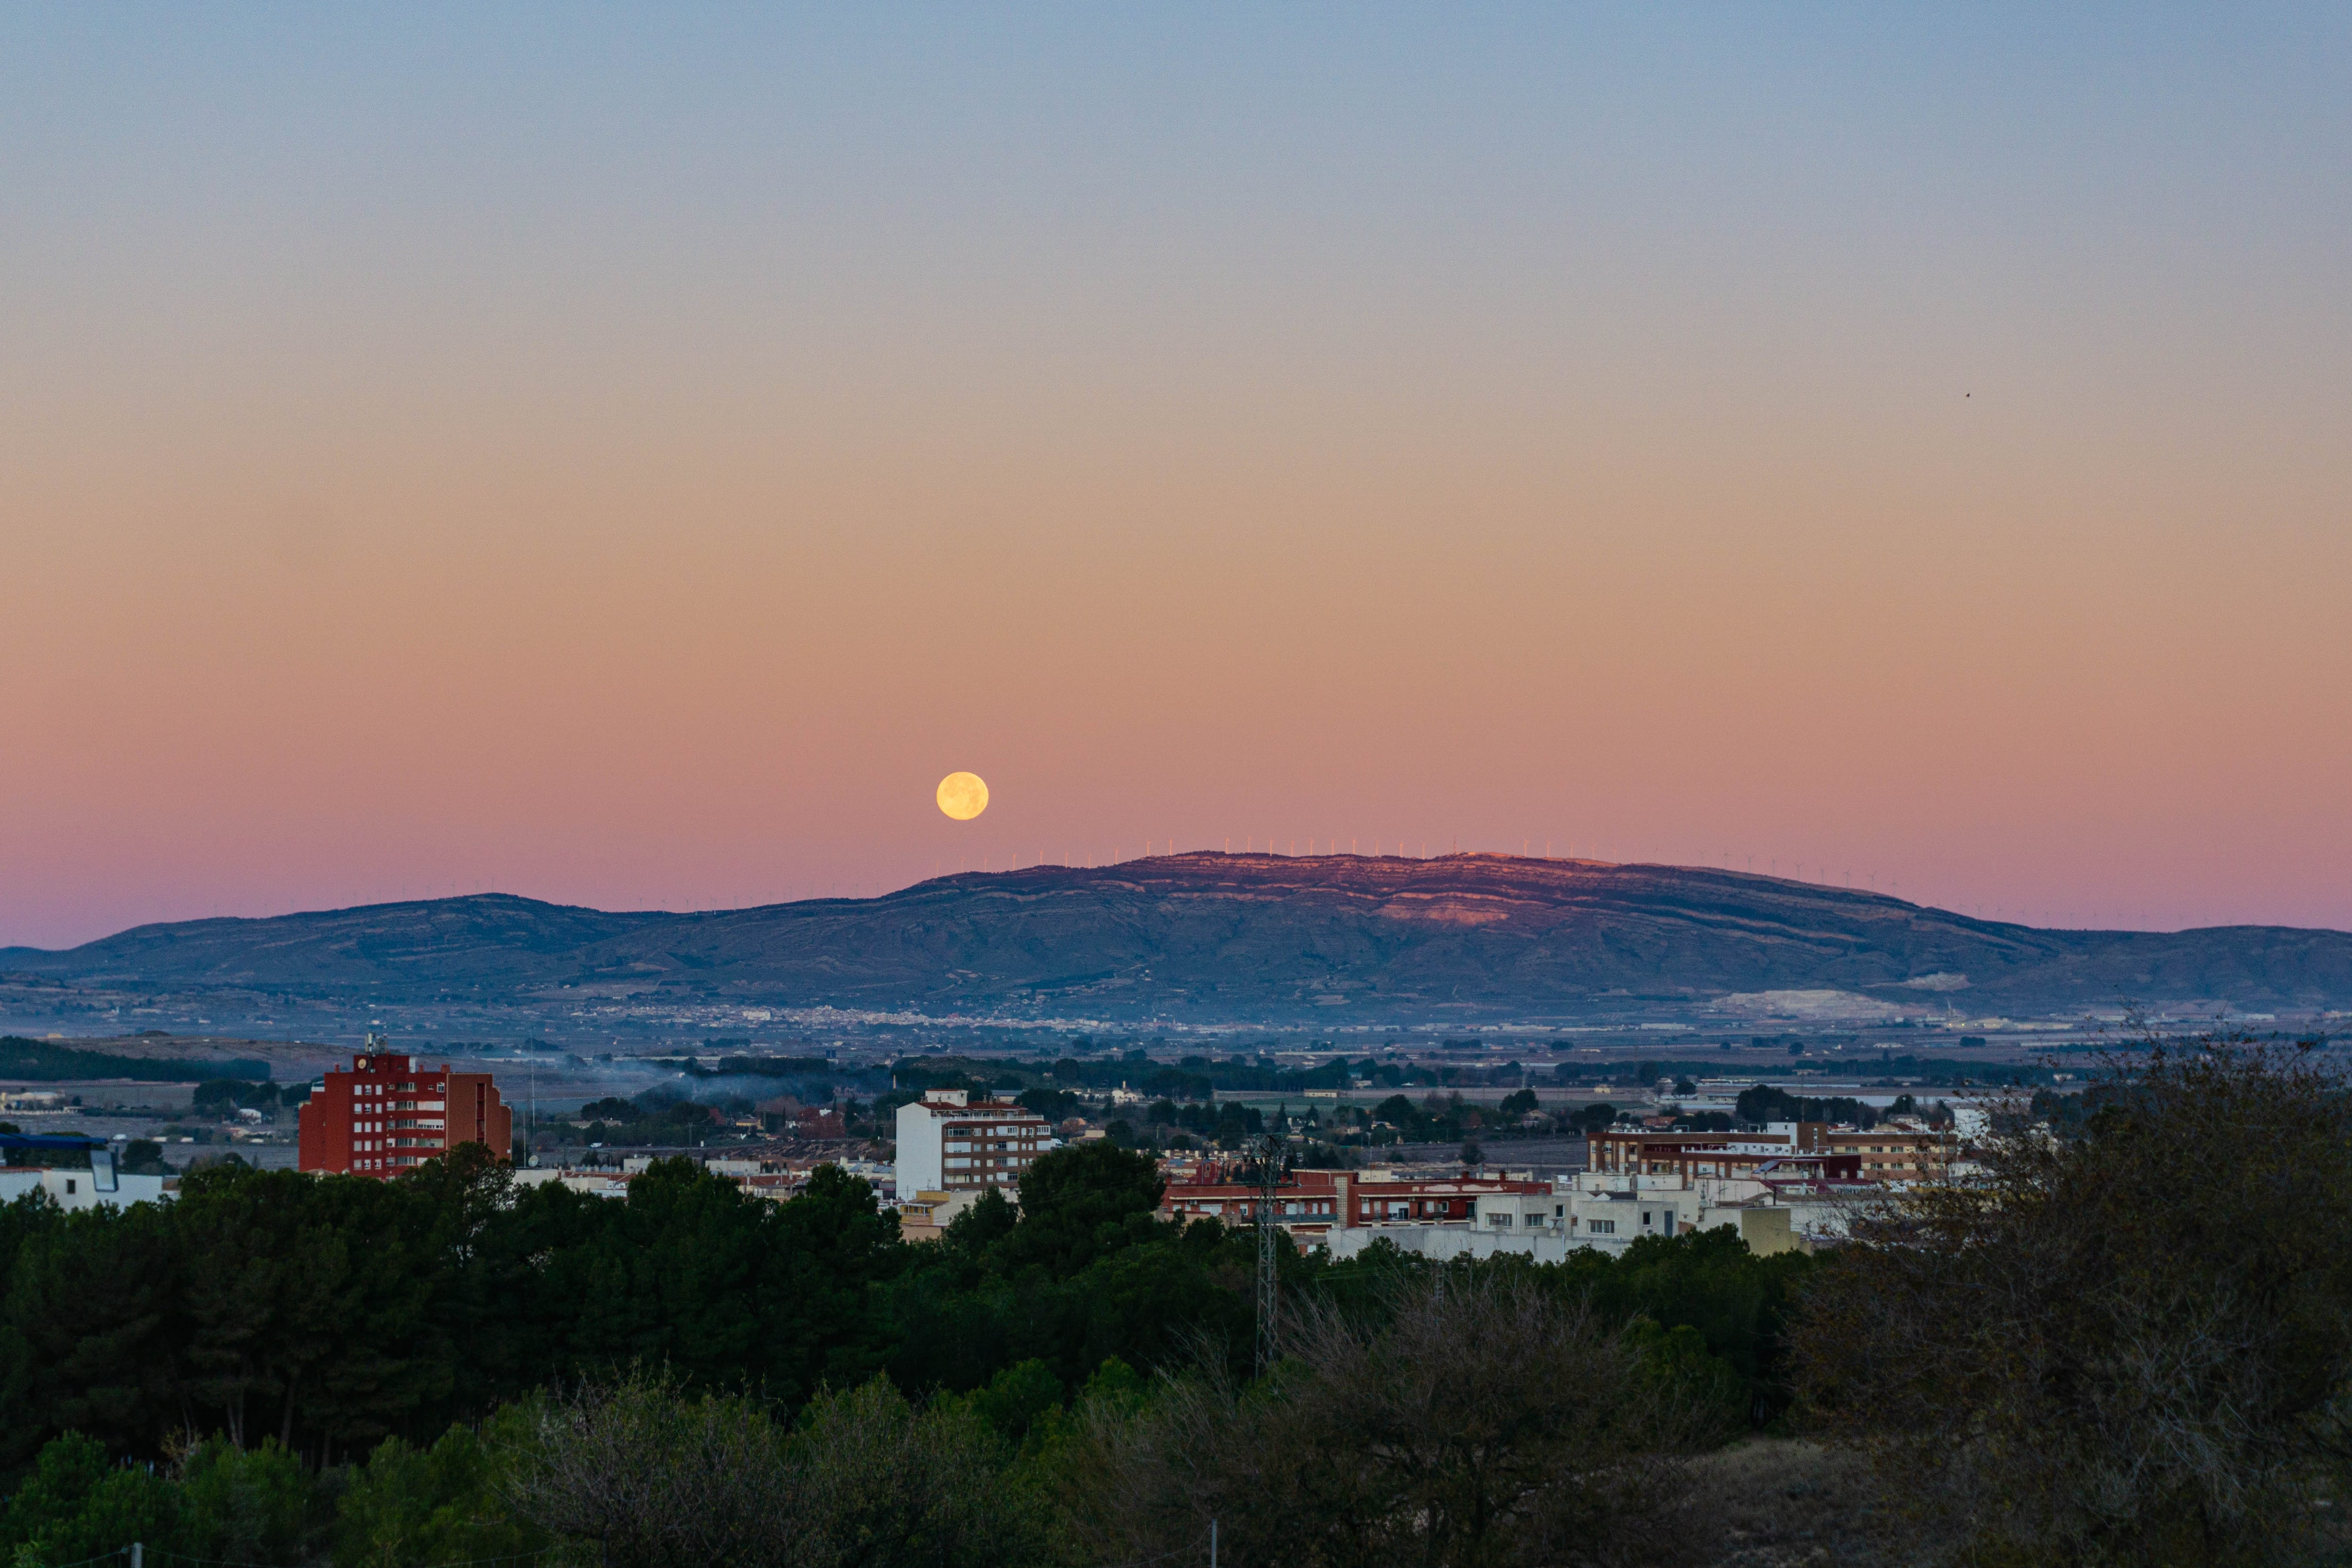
x=1483 y=1424
x=2131 y=1346
x=641 y=1475
x=647 y=1477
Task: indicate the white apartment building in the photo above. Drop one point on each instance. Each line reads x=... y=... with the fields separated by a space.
x=949 y=1142
x=1785 y=1203
x=74 y=1190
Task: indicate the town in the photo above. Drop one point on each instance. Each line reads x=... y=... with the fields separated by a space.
x=1674 y=1164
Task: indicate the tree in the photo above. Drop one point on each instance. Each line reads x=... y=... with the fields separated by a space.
x=1521 y=1104
x=1080 y=1203
x=1477 y=1421
x=254 y=1505
x=76 y=1504
x=655 y=1478
x=1594 y=1118
x=88 y=1333
x=2130 y=1346
x=409 y=1506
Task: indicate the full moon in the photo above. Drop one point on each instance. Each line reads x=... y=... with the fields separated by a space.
x=962 y=796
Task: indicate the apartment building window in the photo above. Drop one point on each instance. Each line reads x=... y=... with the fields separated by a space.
x=1603 y=1228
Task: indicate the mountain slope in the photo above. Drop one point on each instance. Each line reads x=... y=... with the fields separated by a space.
x=1213 y=934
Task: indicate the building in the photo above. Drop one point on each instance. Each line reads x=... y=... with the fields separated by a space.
x=390 y=1113
x=1879 y=1155
x=815 y=1122
x=949 y=1141
x=1307 y=1204
x=1891 y=1155
x=1794 y=1202
x=1312 y=1206
x=73 y=1188
x=926 y=1216
x=1380 y=1197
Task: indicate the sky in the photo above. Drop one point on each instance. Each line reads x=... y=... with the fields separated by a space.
x=628 y=455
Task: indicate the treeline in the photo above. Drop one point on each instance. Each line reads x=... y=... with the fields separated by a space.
x=329 y=1314
x=46 y=1062
x=1351 y=1451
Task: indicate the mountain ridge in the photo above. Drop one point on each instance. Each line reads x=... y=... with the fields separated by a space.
x=1222 y=934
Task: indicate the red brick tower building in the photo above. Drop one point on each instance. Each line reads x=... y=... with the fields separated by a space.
x=390 y=1113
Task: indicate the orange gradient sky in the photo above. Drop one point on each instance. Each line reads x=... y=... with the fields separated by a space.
x=630 y=460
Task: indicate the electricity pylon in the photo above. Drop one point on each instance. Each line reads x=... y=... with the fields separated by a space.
x=1272 y=1153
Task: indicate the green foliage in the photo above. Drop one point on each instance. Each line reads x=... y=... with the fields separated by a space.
x=1765 y=1103
x=320 y=1317
x=46 y=1062
x=220 y=1095
x=987 y=1220
x=1738 y=1305
x=1082 y=1202
x=76 y=1503
x=89 y=1332
x=409 y=1507
x=1054 y=1104
x=1015 y=1399
x=1594 y=1118
x=1686 y=1372
x=253 y=1505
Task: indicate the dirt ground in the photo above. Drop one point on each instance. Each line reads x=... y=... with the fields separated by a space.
x=1780 y=1503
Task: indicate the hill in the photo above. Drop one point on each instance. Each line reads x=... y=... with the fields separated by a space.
x=1210 y=935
